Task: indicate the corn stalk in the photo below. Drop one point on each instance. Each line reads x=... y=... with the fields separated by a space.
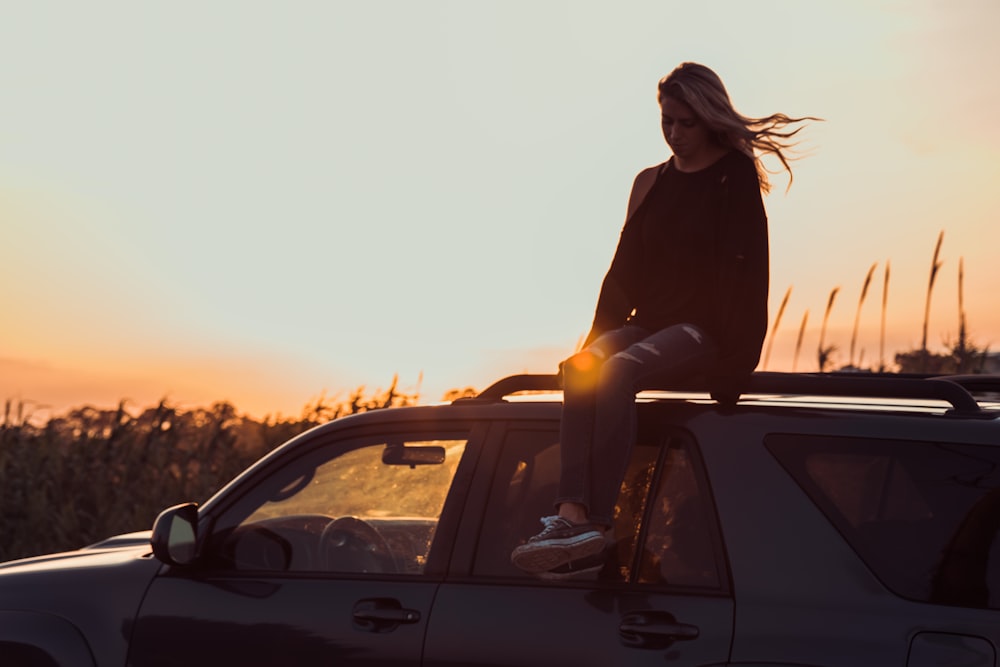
x=774 y=329
x=824 y=353
x=935 y=267
x=881 y=335
x=857 y=314
x=798 y=341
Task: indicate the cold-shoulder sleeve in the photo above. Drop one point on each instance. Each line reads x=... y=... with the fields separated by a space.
x=618 y=291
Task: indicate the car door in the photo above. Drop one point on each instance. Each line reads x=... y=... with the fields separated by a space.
x=331 y=555
x=664 y=594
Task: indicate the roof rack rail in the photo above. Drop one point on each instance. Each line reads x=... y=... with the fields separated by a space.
x=513 y=384
x=954 y=390
x=869 y=386
x=980 y=384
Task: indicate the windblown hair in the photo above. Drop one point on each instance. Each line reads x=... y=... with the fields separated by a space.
x=703 y=90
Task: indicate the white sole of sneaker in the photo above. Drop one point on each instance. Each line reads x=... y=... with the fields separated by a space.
x=545 y=555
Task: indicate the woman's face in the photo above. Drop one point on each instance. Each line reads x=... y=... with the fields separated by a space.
x=686 y=134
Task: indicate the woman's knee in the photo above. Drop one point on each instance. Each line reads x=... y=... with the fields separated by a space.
x=582 y=369
x=618 y=374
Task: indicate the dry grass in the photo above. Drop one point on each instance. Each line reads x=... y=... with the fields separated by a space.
x=961 y=356
x=91 y=473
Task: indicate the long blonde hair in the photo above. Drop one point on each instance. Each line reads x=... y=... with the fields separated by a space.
x=702 y=89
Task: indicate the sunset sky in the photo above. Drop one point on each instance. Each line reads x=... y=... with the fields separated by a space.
x=261 y=201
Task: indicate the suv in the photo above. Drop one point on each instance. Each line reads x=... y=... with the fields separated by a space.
x=819 y=520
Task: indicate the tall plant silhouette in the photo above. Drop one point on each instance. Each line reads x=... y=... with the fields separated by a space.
x=968 y=358
x=962 y=333
x=798 y=341
x=881 y=335
x=857 y=314
x=774 y=329
x=823 y=353
x=935 y=267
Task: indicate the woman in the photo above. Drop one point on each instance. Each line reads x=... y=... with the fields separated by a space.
x=686 y=295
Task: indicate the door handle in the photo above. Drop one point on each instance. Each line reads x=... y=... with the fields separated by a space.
x=654 y=629
x=382 y=615
x=388 y=615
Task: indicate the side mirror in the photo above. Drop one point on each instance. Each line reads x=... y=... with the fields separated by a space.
x=175 y=535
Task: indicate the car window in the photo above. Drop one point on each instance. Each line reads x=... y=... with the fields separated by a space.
x=674 y=529
x=680 y=548
x=371 y=505
x=924 y=516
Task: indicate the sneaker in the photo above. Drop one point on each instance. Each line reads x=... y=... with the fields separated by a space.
x=559 y=543
x=584 y=568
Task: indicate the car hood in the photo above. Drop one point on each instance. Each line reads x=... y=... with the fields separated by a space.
x=108 y=550
x=94 y=589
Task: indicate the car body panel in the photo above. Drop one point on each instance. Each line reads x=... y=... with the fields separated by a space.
x=96 y=591
x=529 y=624
x=802 y=563
x=31 y=637
x=278 y=621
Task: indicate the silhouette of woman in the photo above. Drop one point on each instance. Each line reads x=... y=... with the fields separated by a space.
x=686 y=295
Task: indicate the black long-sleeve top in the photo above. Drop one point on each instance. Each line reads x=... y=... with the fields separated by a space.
x=694 y=249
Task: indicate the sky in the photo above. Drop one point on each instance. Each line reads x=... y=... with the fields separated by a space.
x=265 y=202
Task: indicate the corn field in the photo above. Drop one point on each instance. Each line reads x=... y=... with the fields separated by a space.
x=91 y=473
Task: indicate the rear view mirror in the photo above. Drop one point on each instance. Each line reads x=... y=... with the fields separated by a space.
x=412 y=455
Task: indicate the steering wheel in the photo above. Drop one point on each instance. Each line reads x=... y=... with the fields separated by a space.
x=350 y=544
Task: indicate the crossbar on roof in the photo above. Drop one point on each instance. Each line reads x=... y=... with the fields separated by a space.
x=955 y=390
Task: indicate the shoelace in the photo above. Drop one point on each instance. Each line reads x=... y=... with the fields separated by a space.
x=552 y=524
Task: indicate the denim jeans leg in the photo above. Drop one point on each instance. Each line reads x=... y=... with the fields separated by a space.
x=675 y=352
x=576 y=435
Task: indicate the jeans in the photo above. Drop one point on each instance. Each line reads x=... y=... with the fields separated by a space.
x=598 y=419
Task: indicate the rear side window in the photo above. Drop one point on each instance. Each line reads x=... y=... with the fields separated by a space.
x=525 y=485
x=681 y=546
x=665 y=531
x=924 y=516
